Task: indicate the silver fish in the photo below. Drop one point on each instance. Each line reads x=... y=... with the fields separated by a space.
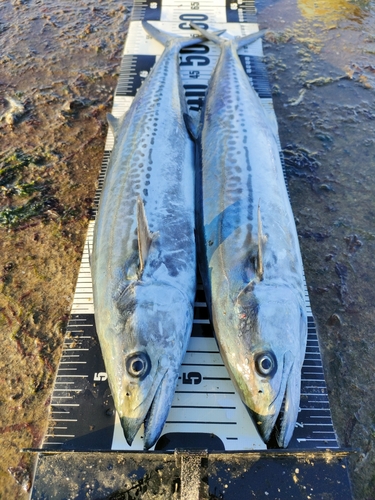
x=144 y=256
x=251 y=264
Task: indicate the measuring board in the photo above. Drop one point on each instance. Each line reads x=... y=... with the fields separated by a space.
x=206 y=409
x=206 y=412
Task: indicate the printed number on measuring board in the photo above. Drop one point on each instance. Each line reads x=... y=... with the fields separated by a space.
x=191 y=378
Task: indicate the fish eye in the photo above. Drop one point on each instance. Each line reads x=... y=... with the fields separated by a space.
x=138 y=365
x=266 y=364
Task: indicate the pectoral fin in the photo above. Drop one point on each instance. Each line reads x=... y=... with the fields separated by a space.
x=145 y=236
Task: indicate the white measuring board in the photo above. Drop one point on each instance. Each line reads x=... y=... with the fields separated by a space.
x=206 y=410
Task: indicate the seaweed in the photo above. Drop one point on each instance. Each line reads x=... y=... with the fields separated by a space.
x=12 y=217
x=12 y=166
x=22 y=191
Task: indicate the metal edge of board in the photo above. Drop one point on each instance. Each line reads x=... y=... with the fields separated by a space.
x=192 y=475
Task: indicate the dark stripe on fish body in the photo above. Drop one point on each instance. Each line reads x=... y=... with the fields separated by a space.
x=250 y=204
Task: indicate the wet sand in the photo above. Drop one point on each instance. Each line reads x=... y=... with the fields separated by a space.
x=58 y=63
x=321 y=62
x=58 y=67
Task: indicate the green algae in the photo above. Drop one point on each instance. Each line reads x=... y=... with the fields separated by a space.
x=13 y=217
x=24 y=195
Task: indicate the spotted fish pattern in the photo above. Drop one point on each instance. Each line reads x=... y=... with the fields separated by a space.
x=144 y=257
x=249 y=253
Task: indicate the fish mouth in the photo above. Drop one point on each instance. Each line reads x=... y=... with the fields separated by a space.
x=155 y=411
x=132 y=424
x=159 y=409
x=289 y=393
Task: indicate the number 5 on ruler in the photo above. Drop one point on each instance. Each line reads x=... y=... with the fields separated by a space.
x=191 y=378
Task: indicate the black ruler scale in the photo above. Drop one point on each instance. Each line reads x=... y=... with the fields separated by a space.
x=206 y=411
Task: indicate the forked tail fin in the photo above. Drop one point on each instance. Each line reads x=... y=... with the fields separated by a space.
x=165 y=38
x=238 y=41
x=160 y=36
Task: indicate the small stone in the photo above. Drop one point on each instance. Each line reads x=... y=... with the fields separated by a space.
x=334 y=320
x=22 y=476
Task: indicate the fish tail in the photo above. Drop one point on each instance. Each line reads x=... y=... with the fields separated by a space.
x=212 y=36
x=249 y=39
x=239 y=42
x=166 y=39
x=160 y=36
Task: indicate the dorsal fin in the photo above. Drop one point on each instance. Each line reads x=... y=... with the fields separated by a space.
x=145 y=237
x=114 y=124
x=193 y=125
x=260 y=268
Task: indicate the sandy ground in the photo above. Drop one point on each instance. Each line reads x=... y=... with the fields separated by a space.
x=58 y=70
x=320 y=59
x=59 y=63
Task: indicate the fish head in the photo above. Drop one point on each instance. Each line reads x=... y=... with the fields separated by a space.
x=151 y=331
x=272 y=330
